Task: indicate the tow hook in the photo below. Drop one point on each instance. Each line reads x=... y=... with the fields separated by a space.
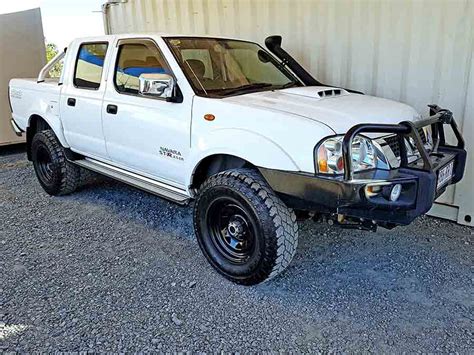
x=351 y=222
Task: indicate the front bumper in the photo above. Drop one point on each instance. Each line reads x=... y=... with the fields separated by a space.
x=346 y=195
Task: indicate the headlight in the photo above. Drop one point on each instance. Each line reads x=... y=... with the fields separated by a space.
x=329 y=155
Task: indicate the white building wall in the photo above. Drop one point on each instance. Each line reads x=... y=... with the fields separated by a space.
x=414 y=51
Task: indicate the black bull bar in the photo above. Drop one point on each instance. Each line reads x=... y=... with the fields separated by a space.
x=438 y=118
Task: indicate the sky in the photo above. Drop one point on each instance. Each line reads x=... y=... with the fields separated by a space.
x=63 y=20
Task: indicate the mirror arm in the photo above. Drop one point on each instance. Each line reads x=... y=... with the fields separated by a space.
x=177 y=96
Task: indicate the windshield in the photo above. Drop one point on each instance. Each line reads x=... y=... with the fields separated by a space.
x=224 y=67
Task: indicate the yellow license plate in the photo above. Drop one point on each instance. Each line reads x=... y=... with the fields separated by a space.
x=445 y=174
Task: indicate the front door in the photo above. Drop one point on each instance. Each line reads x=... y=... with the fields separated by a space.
x=145 y=135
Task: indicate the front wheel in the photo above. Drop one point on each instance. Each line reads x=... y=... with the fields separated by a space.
x=243 y=228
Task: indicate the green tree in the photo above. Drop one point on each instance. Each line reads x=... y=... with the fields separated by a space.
x=51 y=51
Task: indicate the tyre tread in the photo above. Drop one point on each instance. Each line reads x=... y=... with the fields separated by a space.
x=283 y=219
x=70 y=175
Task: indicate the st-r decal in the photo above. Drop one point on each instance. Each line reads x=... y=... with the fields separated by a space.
x=171 y=153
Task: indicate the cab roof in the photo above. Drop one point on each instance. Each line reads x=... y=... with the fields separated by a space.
x=146 y=34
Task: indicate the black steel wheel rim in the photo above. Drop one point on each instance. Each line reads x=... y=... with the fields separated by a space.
x=232 y=229
x=44 y=164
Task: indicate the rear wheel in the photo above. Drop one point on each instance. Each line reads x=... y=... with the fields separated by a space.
x=56 y=175
x=245 y=231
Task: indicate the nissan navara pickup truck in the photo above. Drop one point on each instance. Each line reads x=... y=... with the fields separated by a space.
x=245 y=132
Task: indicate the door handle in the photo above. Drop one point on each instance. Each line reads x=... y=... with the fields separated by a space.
x=71 y=102
x=112 y=109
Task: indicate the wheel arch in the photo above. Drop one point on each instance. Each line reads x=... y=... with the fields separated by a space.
x=230 y=148
x=216 y=163
x=38 y=122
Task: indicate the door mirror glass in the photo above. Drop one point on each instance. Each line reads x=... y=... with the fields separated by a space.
x=157 y=85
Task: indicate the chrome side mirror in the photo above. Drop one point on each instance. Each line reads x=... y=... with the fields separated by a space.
x=157 y=85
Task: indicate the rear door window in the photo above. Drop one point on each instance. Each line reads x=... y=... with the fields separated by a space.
x=90 y=65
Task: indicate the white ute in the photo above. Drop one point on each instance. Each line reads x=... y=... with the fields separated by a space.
x=246 y=132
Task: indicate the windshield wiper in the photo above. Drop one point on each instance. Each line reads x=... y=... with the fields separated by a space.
x=288 y=85
x=254 y=86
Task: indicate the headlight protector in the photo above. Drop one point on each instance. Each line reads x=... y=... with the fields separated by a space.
x=329 y=155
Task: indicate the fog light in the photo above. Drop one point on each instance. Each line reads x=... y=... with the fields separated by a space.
x=395 y=192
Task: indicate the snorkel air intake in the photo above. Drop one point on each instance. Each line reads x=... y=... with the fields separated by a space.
x=273 y=44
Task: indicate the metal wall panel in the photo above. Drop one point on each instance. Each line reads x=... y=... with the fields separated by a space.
x=414 y=51
x=22 y=55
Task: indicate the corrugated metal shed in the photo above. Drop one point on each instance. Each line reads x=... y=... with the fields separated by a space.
x=414 y=51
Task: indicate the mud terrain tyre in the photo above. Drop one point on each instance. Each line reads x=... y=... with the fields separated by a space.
x=243 y=228
x=56 y=175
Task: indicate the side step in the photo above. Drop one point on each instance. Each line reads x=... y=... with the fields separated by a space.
x=157 y=188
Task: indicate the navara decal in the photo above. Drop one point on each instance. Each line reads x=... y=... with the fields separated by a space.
x=171 y=153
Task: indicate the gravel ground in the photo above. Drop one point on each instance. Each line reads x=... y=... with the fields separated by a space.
x=111 y=268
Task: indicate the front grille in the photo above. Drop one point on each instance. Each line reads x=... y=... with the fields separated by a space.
x=421 y=132
x=392 y=142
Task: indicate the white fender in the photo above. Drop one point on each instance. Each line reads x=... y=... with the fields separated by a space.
x=250 y=146
x=55 y=123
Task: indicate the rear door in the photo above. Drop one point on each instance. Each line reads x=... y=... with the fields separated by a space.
x=147 y=135
x=81 y=99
